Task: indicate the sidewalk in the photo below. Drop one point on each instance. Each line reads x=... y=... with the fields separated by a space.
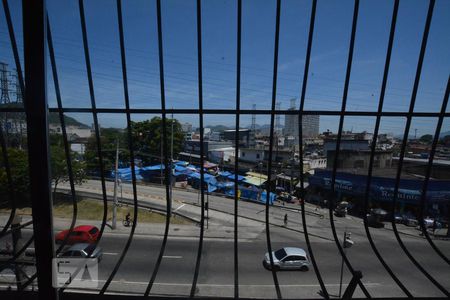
x=214 y=231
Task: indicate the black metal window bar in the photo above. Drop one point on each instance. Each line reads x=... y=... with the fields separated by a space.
x=38 y=38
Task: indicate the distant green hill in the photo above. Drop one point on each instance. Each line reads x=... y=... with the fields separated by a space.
x=53 y=118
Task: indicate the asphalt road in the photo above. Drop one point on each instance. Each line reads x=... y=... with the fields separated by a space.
x=216 y=274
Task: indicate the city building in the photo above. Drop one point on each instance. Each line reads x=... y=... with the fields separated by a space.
x=310 y=125
x=186 y=127
x=193 y=146
x=315 y=162
x=222 y=155
x=345 y=144
x=246 y=137
x=359 y=159
x=253 y=155
x=188 y=136
x=73 y=132
x=418 y=167
x=215 y=136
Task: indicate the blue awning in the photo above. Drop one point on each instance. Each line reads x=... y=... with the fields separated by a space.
x=225 y=174
x=240 y=177
x=154 y=168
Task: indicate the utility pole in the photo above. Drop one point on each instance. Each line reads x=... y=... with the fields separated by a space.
x=347 y=243
x=116 y=178
x=290 y=179
x=207 y=207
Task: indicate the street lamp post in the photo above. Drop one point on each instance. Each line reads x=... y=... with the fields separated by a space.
x=347 y=243
x=171 y=163
x=119 y=182
x=292 y=183
x=121 y=194
x=116 y=178
x=207 y=209
x=290 y=179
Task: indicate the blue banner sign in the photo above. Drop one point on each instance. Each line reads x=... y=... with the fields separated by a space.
x=381 y=188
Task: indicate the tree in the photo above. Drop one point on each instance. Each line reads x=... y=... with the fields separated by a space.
x=18 y=163
x=108 y=139
x=147 y=138
x=59 y=170
x=446 y=140
x=426 y=138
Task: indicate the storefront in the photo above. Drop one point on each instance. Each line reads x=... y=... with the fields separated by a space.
x=352 y=188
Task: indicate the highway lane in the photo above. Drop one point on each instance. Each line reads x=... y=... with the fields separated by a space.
x=216 y=276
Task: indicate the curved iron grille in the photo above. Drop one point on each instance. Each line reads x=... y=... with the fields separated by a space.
x=38 y=38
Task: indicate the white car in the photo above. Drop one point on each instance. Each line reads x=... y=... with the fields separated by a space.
x=288 y=258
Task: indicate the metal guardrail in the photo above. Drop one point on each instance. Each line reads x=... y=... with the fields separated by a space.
x=38 y=34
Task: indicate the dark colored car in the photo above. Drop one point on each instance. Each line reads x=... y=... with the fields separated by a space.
x=80 y=234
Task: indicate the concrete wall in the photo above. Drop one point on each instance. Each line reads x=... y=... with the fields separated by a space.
x=359 y=159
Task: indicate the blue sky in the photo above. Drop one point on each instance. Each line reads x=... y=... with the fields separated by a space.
x=328 y=60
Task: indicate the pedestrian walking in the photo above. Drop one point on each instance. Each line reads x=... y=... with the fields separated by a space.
x=285 y=220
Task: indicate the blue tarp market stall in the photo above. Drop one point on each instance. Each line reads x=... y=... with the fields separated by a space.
x=124 y=174
x=225 y=174
x=240 y=177
x=150 y=173
x=252 y=194
x=181 y=173
x=210 y=180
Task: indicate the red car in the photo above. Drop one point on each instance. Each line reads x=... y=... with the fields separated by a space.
x=80 y=234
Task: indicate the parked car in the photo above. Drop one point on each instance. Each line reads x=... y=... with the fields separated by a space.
x=82 y=250
x=341 y=209
x=288 y=258
x=286 y=197
x=399 y=218
x=374 y=221
x=428 y=222
x=80 y=234
x=411 y=221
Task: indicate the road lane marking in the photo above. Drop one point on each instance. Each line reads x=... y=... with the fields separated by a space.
x=232 y=285
x=172 y=256
x=110 y=253
x=179 y=207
